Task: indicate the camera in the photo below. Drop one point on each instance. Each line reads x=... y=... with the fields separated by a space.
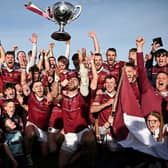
x=158 y=40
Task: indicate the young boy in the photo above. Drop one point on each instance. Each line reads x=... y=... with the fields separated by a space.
x=13 y=144
x=10 y=112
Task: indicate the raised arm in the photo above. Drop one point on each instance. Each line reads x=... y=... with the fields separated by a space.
x=33 y=56
x=84 y=85
x=143 y=78
x=2 y=53
x=150 y=57
x=23 y=65
x=51 y=47
x=67 y=51
x=41 y=59
x=46 y=61
x=93 y=36
x=93 y=84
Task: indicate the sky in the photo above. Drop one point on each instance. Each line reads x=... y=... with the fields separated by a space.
x=117 y=24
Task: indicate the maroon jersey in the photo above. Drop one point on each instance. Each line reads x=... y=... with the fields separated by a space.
x=156 y=69
x=43 y=78
x=56 y=120
x=1 y=85
x=151 y=99
x=68 y=74
x=102 y=73
x=136 y=90
x=152 y=72
x=104 y=113
x=10 y=77
x=64 y=75
x=115 y=69
x=39 y=111
x=75 y=113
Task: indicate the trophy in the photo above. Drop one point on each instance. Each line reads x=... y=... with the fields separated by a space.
x=64 y=13
x=61 y=13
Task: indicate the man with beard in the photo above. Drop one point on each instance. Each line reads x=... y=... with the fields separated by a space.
x=101 y=71
x=75 y=116
x=9 y=74
x=112 y=65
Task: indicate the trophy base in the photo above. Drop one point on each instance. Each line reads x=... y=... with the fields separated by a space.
x=61 y=36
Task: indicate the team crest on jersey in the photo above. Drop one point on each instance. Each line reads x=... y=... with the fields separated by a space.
x=117 y=66
x=10 y=75
x=102 y=76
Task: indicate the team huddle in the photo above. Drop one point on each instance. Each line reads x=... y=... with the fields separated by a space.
x=67 y=111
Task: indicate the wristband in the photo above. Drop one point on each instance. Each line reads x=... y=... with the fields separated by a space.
x=56 y=78
x=45 y=57
x=41 y=57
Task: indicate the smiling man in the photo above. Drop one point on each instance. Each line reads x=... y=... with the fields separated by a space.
x=161 y=57
x=9 y=74
x=152 y=98
x=39 y=109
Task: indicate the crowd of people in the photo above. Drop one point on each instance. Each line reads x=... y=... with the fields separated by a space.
x=70 y=113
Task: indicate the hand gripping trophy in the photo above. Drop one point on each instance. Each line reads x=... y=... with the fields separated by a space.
x=61 y=13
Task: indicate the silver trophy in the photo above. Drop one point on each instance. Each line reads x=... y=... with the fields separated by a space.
x=60 y=13
x=64 y=13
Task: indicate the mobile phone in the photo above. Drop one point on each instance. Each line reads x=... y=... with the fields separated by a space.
x=158 y=40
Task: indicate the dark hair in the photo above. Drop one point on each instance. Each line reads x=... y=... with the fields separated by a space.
x=8 y=101
x=36 y=82
x=161 y=72
x=29 y=52
x=7 y=86
x=10 y=53
x=111 y=49
x=133 y=50
x=51 y=57
x=161 y=51
x=98 y=54
x=64 y=60
x=34 y=68
x=130 y=64
x=110 y=77
x=75 y=57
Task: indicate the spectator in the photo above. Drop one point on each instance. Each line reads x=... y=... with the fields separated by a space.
x=14 y=144
x=160 y=56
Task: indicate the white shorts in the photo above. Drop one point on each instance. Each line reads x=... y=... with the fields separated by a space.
x=41 y=135
x=72 y=141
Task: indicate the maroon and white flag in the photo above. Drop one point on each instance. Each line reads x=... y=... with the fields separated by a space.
x=30 y=6
x=130 y=126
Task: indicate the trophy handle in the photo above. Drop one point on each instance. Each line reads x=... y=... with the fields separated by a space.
x=77 y=12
